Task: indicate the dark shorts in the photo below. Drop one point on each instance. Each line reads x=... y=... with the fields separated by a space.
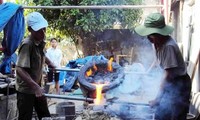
x=174 y=102
x=26 y=103
x=53 y=76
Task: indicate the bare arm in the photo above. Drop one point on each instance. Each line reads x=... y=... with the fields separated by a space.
x=49 y=63
x=167 y=76
x=27 y=78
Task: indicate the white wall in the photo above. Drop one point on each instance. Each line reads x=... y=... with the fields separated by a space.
x=191 y=19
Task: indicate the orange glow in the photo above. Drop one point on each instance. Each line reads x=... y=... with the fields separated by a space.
x=89 y=72
x=110 y=64
x=99 y=96
x=95 y=67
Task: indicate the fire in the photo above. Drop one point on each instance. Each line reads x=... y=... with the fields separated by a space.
x=89 y=72
x=99 y=96
x=110 y=64
x=95 y=67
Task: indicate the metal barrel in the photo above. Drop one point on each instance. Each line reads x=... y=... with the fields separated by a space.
x=66 y=109
x=69 y=111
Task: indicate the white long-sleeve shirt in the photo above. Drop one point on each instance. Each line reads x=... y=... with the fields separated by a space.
x=55 y=55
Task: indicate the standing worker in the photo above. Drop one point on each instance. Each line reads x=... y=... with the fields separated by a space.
x=55 y=55
x=172 y=102
x=29 y=70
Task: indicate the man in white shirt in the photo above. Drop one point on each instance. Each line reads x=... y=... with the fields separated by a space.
x=55 y=55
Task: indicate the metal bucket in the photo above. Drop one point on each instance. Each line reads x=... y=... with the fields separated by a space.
x=190 y=116
x=66 y=109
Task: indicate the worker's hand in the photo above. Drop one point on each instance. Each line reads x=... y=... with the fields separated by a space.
x=153 y=103
x=39 y=91
x=52 y=67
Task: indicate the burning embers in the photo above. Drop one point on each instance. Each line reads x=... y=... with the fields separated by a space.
x=99 y=76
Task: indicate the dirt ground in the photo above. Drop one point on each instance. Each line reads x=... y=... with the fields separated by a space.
x=54 y=104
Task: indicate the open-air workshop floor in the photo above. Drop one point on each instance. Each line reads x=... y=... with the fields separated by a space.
x=53 y=102
x=83 y=110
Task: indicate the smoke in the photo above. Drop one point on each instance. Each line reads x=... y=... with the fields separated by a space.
x=138 y=83
x=139 y=86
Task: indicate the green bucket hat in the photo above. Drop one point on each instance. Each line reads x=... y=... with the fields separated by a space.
x=154 y=23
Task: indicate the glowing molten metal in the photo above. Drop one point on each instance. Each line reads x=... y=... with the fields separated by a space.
x=99 y=96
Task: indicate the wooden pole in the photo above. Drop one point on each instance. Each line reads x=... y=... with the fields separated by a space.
x=95 y=7
x=195 y=66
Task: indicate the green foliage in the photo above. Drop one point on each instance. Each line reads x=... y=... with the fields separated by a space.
x=88 y=20
x=77 y=23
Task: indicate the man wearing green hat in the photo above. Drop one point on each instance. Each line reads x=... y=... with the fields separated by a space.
x=172 y=102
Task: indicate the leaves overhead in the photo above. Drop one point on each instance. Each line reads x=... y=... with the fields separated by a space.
x=81 y=25
x=88 y=20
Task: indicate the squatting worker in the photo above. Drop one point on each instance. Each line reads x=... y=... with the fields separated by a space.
x=29 y=70
x=172 y=102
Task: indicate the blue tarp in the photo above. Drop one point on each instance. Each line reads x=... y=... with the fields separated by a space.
x=71 y=77
x=13 y=24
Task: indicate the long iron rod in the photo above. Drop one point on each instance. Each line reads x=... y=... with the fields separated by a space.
x=95 y=7
x=67 y=69
x=68 y=97
x=131 y=103
x=6 y=80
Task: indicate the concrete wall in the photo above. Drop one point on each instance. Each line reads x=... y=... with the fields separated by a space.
x=12 y=107
x=185 y=19
x=195 y=46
